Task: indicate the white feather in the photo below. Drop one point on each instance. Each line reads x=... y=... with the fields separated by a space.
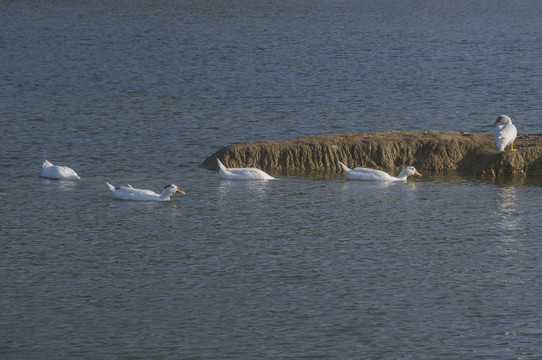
x=242 y=173
x=131 y=193
x=49 y=170
x=504 y=133
x=378 y=175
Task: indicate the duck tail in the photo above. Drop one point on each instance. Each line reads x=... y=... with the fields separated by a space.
x=345 y=168
x=111 y=187
x=46 y=164
x=222 y=167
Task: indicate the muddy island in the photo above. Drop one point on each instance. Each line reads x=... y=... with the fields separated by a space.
x=470 y=154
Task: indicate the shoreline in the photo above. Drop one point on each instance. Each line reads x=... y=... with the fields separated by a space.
x=470 y=154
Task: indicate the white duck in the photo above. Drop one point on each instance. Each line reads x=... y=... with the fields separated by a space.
x=130 y=193
x=242 y=173
x=504 y=133
x=378 y=175
x=58 y=172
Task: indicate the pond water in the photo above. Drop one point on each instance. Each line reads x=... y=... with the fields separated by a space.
x=308 y=266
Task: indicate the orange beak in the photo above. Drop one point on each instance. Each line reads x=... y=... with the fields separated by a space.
x=179 y=191
x=417 y=174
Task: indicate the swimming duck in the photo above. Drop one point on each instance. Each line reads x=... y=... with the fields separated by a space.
x=58 y=172
x=131 y=193
x=242 y=173
x=378 y=175
x=504 y=133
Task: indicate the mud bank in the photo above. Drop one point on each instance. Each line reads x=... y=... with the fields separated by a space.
x=436 y=151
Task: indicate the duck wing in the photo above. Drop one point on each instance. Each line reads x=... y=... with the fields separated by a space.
x=504 y=135
x=249 y=174
x=58 y=172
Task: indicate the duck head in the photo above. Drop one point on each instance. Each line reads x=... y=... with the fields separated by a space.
x=502 y=120
x=409 y=171
x=171 y=189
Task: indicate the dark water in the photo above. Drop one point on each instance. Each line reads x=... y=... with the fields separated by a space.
x=310 y=266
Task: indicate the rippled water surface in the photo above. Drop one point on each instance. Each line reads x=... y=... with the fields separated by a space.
x=309 y=266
